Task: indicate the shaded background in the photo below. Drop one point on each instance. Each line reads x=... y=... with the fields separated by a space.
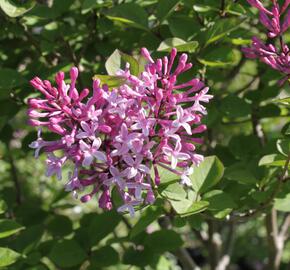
x=46 y=227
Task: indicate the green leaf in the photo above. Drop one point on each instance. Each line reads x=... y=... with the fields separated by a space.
x=181 y=206
x=244 y=147
x=269 y=110
x=14 y=8
x=163 y=240
x=9 y=79
x=221 y=28
x=8 y=256
x=110 y=81
x=59 y=225
x=113 y=63
x=207 y=174
x=178 y=26
x=98 y=231
x=104 y=256
x=233 y=106
x=139 y=258
x=283 y=147
x=88 y=5
x=283 y=204
x=165 y=8
x=204 y=8
x=179 y=44
x=195 y=208
x=3 y=206
x=134 y=65
x=273 y=160
x=131 y=14
x=118 y=59
x=172 y=191
x=9 y=227
x=67 y=253
x=167 y=177
x=195 y=221
x=220 y=203
x=284 y=101
x=147 y=217
x=28 y=239
x=240 y=173
x=220 y=57
x=53 y=12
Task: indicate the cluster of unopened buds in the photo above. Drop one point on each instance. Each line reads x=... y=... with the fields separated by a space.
x=276 y=21
x=119 y=138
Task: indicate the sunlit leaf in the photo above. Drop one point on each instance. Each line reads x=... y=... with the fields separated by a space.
x=179 y=44
x=207 y=174
x=9 y=227
x=8 y=256
x=14 y=8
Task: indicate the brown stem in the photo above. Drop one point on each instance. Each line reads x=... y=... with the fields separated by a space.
x=276 y=239
x=214 y=245
x=222 y=8
x=272 y=237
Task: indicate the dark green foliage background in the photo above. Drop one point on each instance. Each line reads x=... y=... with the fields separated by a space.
x=43 y=227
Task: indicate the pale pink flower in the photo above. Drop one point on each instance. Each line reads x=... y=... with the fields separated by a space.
x=91 y=152
x=175 y=154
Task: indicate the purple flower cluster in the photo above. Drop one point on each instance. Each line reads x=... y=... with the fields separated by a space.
x=276 y=21
x=120 y=138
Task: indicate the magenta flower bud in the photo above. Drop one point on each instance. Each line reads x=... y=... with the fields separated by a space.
x=258 y=4
x=84 y=94
x=150 y=197
x=74 y=73
x=59 y=77
x=35 y=114
x=105 y=128
x=35 y=123
x=284 y=7
x=86 y=198
x=199 y=129
x=189 y=146
x=157 y=177
x=36 y=83
x=159 y=65
x=105 y=200
x=96 y=84
x=57 y=129
x=146 y=55
x=159 y=95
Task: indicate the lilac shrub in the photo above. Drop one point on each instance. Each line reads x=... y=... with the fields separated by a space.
x=121 y=137
x=276 y=21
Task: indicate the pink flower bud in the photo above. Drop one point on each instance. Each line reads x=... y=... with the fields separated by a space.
x=146 y=55
x=86 y=198
x=105 y=128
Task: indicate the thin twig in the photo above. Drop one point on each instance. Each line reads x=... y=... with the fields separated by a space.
x=222 y=8
x=284 y=230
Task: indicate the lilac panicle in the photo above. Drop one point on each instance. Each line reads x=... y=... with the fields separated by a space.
x=277 y=22
x=114 y=138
